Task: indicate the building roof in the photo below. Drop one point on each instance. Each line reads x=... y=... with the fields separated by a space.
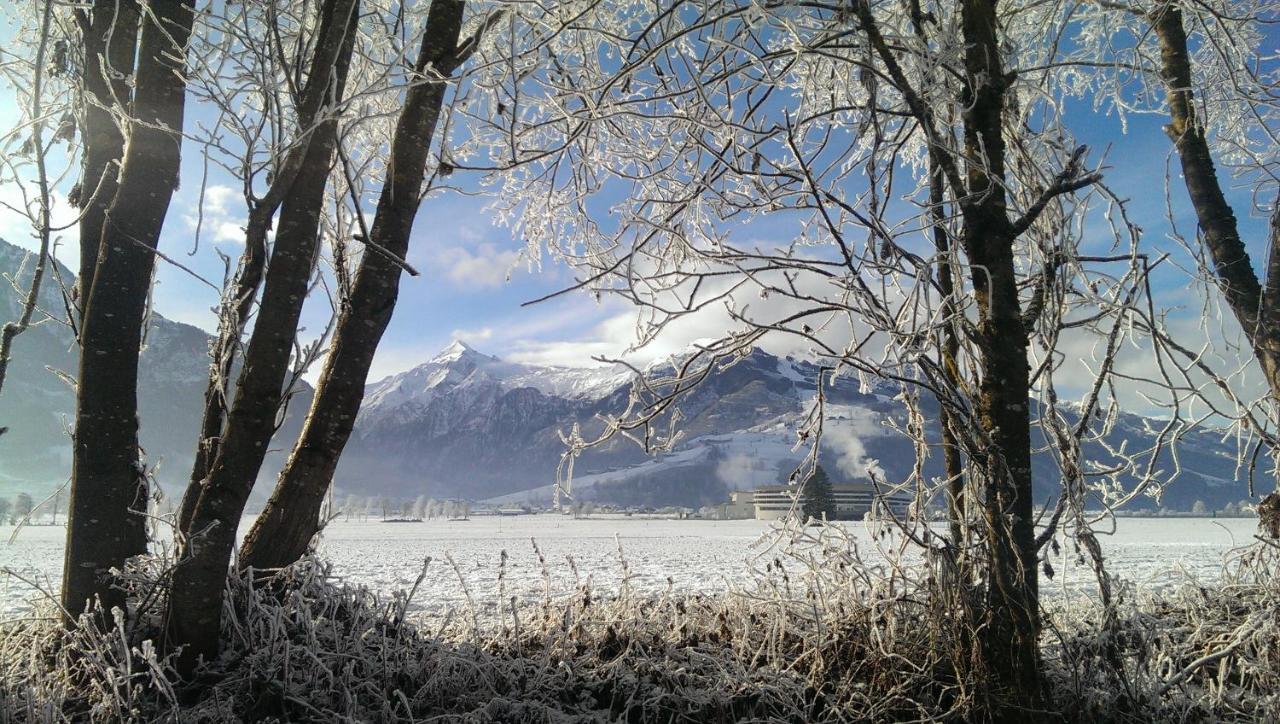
x=846 y=487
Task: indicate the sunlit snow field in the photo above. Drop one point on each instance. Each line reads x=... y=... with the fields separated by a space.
x=689 y=555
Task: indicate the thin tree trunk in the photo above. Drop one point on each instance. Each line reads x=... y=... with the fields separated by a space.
x=195 y=601
x=14 y=327
x=108 y=487
x=949 y=341
x=1257 y=311
x=1010 y=642
x=234 y=318
x=238 y=302
x=949 y=346
x=290 y=520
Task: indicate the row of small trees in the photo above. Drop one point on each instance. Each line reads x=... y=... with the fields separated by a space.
x=421 y=508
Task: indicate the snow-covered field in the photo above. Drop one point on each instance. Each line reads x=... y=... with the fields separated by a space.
x=688 y=555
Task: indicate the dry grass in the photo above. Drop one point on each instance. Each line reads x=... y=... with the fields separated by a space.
x=819 y=636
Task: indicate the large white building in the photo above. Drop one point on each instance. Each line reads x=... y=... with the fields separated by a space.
x=852 y=501
x=741 y=505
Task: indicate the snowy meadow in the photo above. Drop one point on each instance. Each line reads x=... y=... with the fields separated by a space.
x=652 y=555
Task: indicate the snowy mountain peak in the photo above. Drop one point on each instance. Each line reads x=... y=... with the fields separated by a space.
x=461 y=371
x=456 y=351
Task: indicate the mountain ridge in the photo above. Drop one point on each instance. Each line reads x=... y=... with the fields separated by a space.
x=467 y=424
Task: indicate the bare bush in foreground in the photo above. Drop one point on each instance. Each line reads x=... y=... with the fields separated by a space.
x=821 y=631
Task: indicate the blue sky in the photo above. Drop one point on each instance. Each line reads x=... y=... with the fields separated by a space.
x=471 y=286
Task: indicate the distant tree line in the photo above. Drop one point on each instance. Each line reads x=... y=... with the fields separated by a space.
x=22 y=508
x=381 y=507
x=13 y=510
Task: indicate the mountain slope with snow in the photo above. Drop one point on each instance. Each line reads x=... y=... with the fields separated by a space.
x=37 y=403
x=467 y=424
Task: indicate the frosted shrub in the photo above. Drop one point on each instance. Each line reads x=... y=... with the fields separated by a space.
x=815 y=634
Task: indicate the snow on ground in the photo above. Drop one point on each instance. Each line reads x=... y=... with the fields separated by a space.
x=696 y=556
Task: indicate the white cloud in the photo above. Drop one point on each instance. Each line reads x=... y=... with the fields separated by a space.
x=618 y=335
x=230 y=232
x=216 y=198
x=472 y=335
x=561 y=354
x=221 y=214
x=486 y=267
x=610 y=338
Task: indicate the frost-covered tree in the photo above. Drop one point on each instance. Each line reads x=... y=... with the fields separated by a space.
x=367 y=84
x=240 y=420
x=289 y=521
x=22 y=506
x=304 y=106
x=1210 y=70
x=887 y=184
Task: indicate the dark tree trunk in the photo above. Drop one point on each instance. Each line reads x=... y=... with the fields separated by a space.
x=195 y=601
x=1010 y=640
x=1258 y=311
x=237 y=303
x=110 y=31
x=280 y=535
x=108 y=487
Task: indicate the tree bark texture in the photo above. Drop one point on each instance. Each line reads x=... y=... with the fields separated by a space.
x=282 y=532
x=1010 y=639
x=110 y=32
x=108 y=485
x=195 y=603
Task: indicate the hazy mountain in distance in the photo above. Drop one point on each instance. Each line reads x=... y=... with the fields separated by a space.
x=37 y=403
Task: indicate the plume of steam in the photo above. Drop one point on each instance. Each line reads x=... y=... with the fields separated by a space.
x=851 y=454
